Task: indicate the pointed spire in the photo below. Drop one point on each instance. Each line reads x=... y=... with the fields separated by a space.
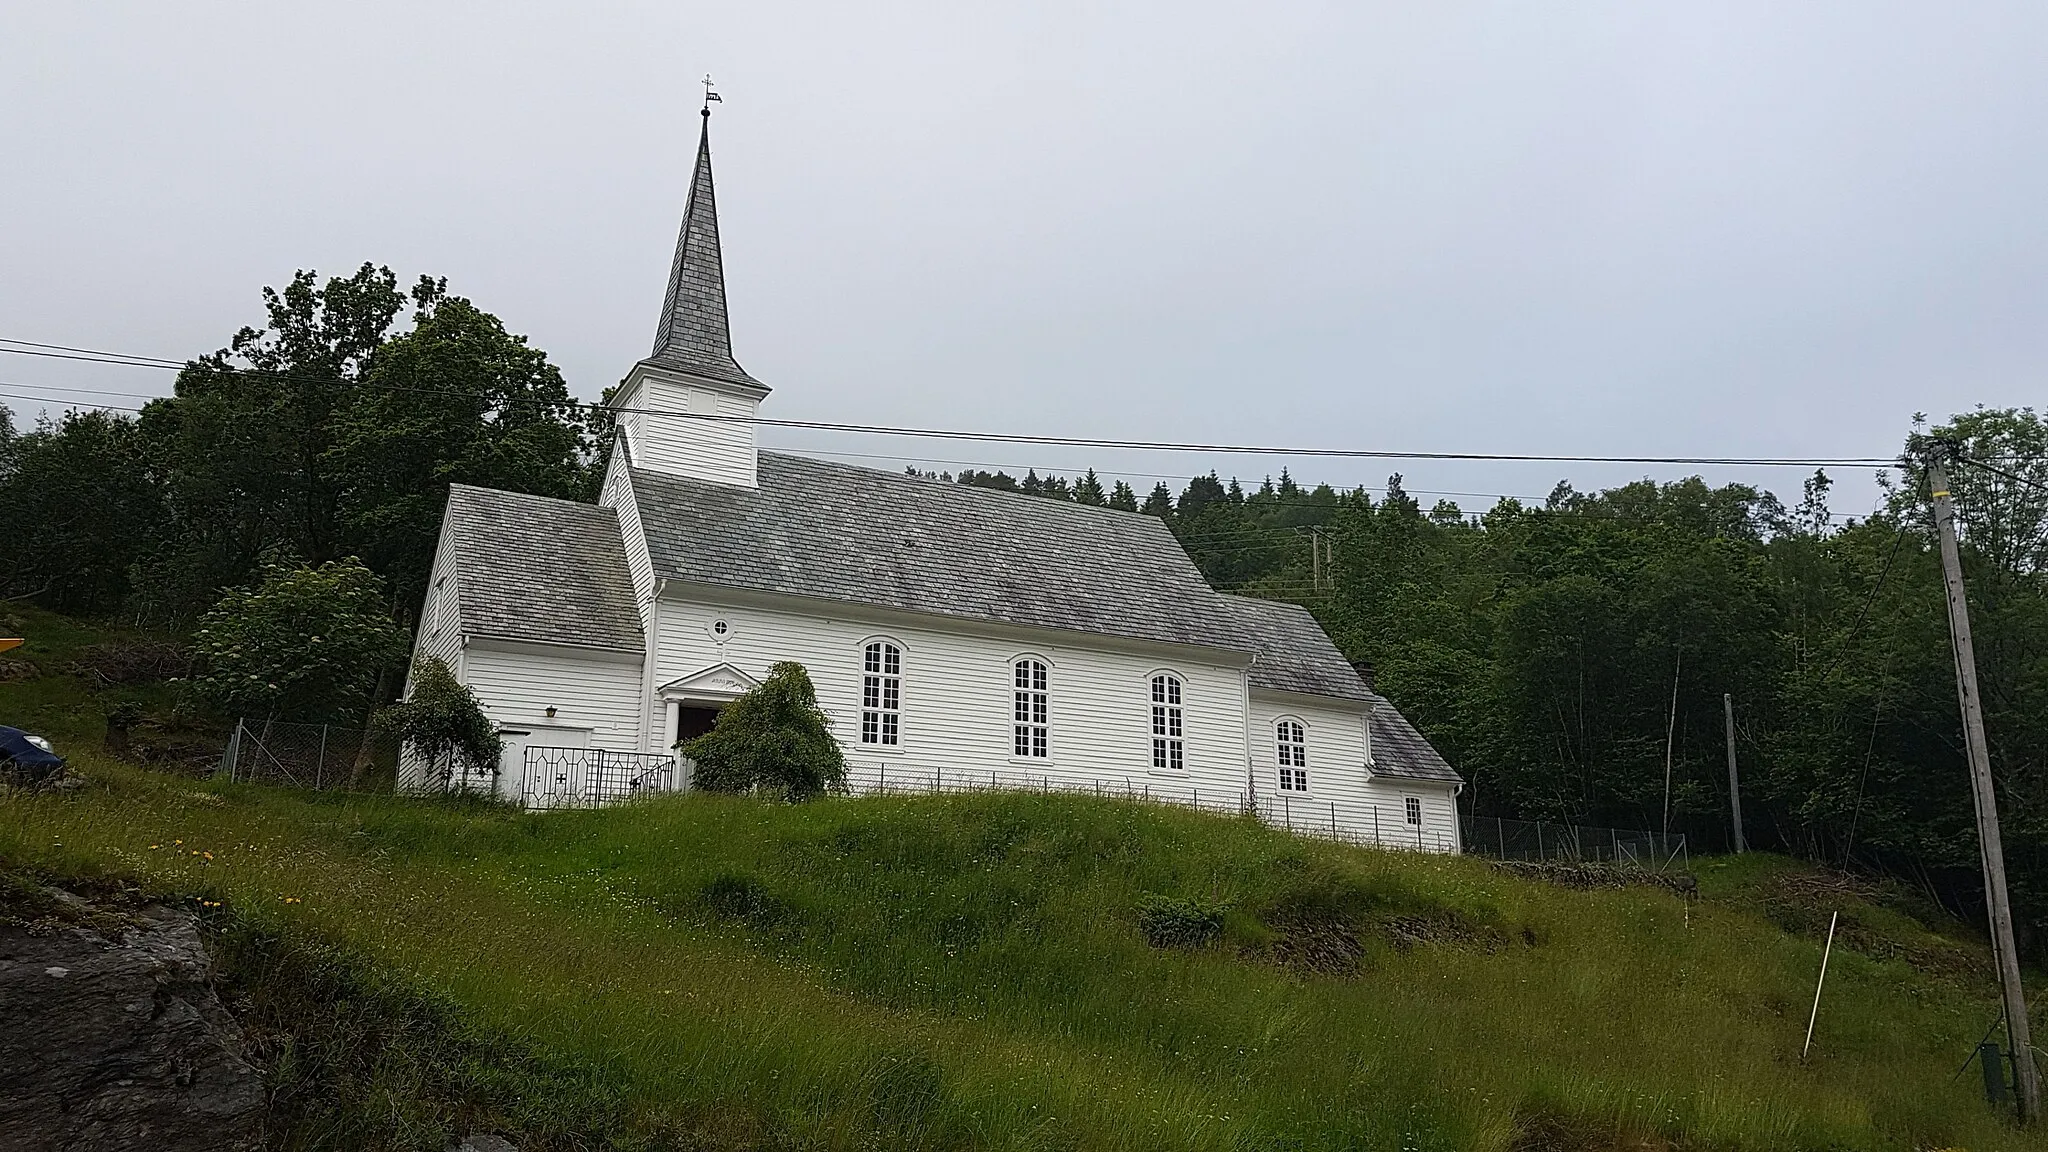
x=693 y=335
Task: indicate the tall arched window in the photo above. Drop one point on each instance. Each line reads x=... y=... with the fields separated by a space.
x=881 y=694
x=1292 y=742
x=1169 y=754
x=1034 y=709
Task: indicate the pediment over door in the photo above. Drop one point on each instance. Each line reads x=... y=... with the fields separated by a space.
x=718 y=682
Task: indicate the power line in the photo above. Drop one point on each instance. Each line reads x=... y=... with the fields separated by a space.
x=1251 y=500
x=101 y=356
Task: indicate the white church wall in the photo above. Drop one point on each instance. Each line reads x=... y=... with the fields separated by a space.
x=596 y=691
x=957 y=704
x=439 y=637
x=1341 y=795
x=720 y=450
x=617 y=494
x=1439 y=830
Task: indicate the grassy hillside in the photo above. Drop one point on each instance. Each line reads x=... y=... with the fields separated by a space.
x=976 y=972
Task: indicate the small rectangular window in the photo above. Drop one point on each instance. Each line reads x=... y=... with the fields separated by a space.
x=1414 y=811
x=434 y=607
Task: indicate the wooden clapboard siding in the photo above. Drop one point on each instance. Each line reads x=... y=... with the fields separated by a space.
x=722 y=451
x=517 y=684
x=957 y=698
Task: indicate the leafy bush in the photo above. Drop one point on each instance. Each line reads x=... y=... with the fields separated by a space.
x=742 y=898
x=443 y=722
x=306 y=643
x=774 y=737
x=1171 y=923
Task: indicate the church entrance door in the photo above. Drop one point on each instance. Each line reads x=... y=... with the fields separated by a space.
x=693 y=720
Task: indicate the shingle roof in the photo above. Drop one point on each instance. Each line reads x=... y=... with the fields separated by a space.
x=536 y=568
x=837 y=532
x=1399 y=750
x=694 y=335
x=1295 y=654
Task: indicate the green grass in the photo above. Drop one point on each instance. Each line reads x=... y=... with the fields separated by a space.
x=971 y=972
x=65 y=707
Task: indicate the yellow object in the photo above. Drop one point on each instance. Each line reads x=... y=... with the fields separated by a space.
x=7 y=642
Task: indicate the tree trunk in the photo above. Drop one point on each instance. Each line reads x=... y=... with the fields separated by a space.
x=378 y=699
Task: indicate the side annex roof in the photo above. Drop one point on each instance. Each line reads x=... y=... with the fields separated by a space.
x=540 y=569
x=1296 y=655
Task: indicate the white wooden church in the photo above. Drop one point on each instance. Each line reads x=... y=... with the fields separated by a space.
x=957 y=636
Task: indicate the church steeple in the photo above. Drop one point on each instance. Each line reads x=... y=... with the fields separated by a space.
x=693 y=336
x=688 y=409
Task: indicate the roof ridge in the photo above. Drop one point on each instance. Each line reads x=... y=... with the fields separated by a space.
x=1241 y=597
x=955 y=486
x=454 y=485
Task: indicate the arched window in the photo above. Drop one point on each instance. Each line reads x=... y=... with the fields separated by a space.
x=1169 y=754
x=1292 y=742
x=1034 y=710
x=881 y=694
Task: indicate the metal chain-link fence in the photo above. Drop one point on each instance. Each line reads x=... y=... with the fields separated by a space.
x=322 y=756
x=1506 y=839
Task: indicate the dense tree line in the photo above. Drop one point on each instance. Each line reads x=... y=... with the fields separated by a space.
x=315 y=447
x=294 y=483
x=1541 y=646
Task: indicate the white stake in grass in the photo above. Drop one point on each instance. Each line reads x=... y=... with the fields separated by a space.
x=1818 y=984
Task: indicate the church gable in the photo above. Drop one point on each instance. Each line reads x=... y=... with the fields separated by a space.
x=719 y=681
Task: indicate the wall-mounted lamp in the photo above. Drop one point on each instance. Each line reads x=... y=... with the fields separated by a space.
x=551 y=712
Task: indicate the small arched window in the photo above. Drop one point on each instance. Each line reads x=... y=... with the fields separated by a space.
x=1169 y=753
x=1033 y=715
x=1292 y=742
x=881 y=693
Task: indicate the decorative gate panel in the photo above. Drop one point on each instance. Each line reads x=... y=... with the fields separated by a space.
x=591 y=777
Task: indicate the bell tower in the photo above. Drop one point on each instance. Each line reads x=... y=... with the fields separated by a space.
x=687 y=408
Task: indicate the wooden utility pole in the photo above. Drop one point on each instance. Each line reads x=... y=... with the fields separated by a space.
x=1670 y=736
x=2017 y=1033
x=1734 y=785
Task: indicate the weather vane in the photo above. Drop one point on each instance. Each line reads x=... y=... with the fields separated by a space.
x=710 y=97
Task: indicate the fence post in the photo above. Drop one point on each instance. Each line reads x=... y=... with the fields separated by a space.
x=1539 y=841
x=1333 y=819
x=234 y=752
x=320 y=765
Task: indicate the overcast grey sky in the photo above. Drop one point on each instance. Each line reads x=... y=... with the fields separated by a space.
x=1708 y=229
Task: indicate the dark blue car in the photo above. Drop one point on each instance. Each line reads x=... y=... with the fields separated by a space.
x=27 y=759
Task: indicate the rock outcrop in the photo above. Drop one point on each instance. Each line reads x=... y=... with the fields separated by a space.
x=111 y=1036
